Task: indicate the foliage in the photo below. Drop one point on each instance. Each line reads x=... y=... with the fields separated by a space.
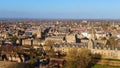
x=39 y=52
x=13 y=39
x=103 y=38
x=78 y=58
x=49 y=43
x=50 y=51
x=112 y=42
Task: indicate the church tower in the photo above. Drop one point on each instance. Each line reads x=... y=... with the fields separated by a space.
x=39 y=32
x=90 y=44
x=93 y=35
x=91 y=41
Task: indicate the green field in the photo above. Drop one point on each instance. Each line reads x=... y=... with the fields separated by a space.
x=103 y=66
x=107 y=59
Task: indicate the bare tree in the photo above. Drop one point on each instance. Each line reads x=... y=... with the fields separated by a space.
x=112 y=42
x=49 y=44
x=78 y=58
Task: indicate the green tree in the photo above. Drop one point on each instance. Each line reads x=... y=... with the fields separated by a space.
x=14 y=39
x=78 y=58
x=103 y=38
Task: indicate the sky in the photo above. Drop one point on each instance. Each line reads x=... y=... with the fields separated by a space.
x=60 y=9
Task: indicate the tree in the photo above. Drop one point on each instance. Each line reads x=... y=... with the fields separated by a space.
x=112 y=42
x=103 y=38
x=13 y=39
x=78 y=58
x=49 y=44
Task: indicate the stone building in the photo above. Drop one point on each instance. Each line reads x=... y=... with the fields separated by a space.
x=70 y=38
x=27 y=42
x=56 y=38
x=103 y=51
x=39 y=33
x=106 y=51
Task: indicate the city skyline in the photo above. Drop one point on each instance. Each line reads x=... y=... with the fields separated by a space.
x=60 y=9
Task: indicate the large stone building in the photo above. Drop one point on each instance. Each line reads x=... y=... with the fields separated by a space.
x=57 y=39
x=70 y=38
x=103 y=51
x=97 y=50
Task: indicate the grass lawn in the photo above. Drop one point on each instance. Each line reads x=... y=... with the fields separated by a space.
x=107 y=59
x=103 y=66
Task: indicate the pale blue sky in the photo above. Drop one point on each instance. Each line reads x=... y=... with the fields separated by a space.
x=60 y=9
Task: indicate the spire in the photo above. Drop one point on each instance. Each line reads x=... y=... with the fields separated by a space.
x=93 y=36
x=90 y=44
x=39 y=31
